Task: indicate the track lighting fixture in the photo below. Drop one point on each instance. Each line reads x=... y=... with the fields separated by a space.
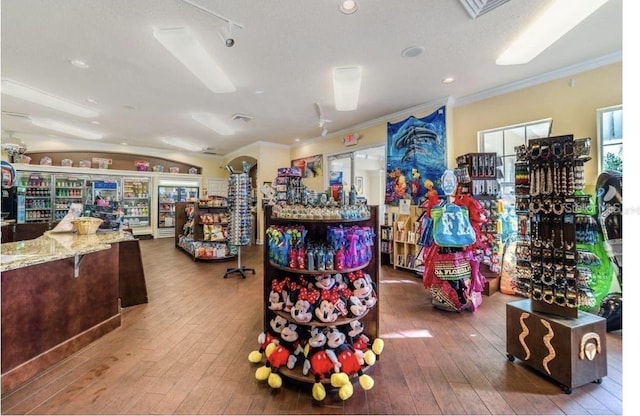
x=227 y=36
x=225 y=33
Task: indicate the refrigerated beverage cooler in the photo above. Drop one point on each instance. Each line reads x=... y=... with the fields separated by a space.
x=136 y=204
x=68 y=190
x=33 y=197
x=169 y=193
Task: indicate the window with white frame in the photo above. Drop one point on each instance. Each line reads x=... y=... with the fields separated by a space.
x=610 y=138
x=503 y=142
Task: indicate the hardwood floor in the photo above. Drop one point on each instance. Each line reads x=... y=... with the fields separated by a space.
x=185 y=352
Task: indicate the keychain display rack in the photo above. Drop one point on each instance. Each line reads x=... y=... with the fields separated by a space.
x=548 y=331
x=549 y=202
x=240 y=215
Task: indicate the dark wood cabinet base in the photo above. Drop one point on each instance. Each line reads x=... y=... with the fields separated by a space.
x=572 y=352
x=48 y=314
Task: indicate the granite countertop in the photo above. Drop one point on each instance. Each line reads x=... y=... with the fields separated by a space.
x=55 y=246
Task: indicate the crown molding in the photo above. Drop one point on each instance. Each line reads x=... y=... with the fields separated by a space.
x=542 y=78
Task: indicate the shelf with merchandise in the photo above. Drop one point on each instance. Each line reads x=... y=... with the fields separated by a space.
x=199 y=235
x=320 y=305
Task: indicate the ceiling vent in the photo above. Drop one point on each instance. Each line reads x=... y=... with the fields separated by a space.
x=209 y=151
x=477 y=8
x=241 y=117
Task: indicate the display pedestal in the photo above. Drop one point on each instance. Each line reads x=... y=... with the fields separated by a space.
x=572 y=352
x=240 y=269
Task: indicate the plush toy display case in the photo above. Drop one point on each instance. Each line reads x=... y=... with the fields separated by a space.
x=275 y=274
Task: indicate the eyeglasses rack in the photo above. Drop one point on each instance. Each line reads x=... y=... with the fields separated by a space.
x=240 y=215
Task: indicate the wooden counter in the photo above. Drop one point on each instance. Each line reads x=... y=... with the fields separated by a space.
x=59 y=293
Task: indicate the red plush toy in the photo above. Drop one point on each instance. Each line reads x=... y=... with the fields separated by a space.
x=350 y=363
x=272 y=335
x=284 y=354
x=319 y=361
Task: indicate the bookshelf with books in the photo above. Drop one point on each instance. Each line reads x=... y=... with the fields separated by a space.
x=386 y=244
x=407 y=254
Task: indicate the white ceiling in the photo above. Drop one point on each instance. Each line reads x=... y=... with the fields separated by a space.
x=287 y=48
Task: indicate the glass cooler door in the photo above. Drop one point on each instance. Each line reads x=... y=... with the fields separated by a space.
x=33 y=197
x=68 y=190
x=136 y=201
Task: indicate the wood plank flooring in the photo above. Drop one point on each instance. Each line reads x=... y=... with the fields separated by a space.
x=185 y=352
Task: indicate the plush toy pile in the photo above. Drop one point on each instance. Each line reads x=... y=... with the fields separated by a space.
x=327 y=355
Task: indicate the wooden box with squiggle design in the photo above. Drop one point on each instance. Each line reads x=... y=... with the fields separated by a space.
x=573 y=352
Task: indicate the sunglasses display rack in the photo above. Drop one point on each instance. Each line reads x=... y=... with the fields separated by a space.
x=477 y=175
x=549 y=331
x=320 y=297
x=239 y=194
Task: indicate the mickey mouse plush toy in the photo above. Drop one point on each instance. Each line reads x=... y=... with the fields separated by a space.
x=320 y=361
x=271 y=336
x=351 y=363
x=357 y=338
x=285 y=353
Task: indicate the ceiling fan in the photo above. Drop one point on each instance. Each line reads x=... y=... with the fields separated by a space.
x=322 y=122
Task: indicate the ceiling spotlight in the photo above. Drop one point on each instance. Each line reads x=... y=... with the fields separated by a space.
x=448 y=80
x=227 y=36
x=347 y=6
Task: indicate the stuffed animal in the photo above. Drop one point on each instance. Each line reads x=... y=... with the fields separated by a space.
x=357 y=338
x=303 y=307
x=363 y=288
x=356 y=307
x=325 y=281
x=271 y=336
x=285 y=353
x=327 y=310
x=319 y=361
x=278 y=294
x=350 y=360
x=341 y=281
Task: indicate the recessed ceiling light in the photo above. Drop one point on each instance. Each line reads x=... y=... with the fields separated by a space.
x=79 y=64
x=448 y=80
x=347 y=6
x=123 y=143
x=297 y=139
x=92 y=101
x=95 y=122
x=258 y=92
x=412 y=51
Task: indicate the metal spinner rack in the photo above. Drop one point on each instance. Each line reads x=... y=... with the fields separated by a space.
x=239 y=225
